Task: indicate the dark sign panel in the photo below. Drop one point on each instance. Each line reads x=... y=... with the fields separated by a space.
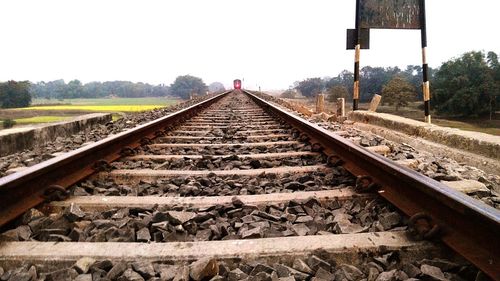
x=364 y=38
x=394 y=14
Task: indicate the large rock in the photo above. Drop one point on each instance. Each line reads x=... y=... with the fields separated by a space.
x=144 y=268
x=130 y=275
x=83 y=265
x=203 y=268
x=261 y=268
x=432 y=272
x=346 y=227
x=21 y=233
x=300 y=229
x=179 y=217
x=387 y=276
x=182 y=274
x=116 y=270
x=252 y=233
x=236 y=274
x=73 y=213
x=316 y=263
x=351 y=272
x=143 y=235
x=300 y=265
x=167 y=272
x=471 y=187
x=285 y=271
x=84 y=277
x=62 y=274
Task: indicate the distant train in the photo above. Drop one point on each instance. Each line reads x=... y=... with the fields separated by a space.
x=237 y=84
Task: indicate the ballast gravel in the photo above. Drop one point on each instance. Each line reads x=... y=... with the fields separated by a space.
x=213 y=185
x=318 y=266
x=220 y=222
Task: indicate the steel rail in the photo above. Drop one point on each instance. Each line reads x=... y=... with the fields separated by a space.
x=24 y=190
x=466 y=225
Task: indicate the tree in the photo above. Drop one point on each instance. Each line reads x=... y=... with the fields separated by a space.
x=337 y=91
x=160 y=91
x=494 y=81
x=15 y=94
x=216 y=87
x=185 y=86
x=413 y=74
x=465 y=86
x=74 y=89
x=310 y=86
x=373 y=79
x=398 y=92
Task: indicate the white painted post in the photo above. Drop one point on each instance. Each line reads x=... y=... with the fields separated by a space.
x=320 y=103
x=375 y=102
x=340 y=107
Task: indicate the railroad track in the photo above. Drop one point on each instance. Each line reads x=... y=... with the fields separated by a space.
x=243 y=189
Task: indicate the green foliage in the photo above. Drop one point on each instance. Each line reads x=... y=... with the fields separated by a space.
x=344 y=79
x=311 y=86
x=58 y=89
x=8 y=123
x=14 y=94
x=337 y=91
x=372 y=80
x=398 y=92
x=467 y=86
x=187 y=85
x=413 y=74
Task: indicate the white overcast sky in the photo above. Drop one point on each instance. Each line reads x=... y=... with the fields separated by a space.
x=268 y=43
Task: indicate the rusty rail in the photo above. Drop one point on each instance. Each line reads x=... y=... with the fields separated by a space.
x=26 y=189
x=468 y=226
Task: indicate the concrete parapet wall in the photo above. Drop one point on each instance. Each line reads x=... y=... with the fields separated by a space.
x=18 y=139
x=475 y=142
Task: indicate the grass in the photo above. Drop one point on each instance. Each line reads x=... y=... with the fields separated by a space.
x=47 y=111
x=491 y=127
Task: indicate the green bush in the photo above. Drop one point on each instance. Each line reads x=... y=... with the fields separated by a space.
x=8 y=123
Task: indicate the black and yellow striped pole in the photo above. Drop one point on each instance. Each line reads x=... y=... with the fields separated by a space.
x=425 y=67
x=357 y=51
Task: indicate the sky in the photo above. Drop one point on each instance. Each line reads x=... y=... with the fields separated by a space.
x=267 y=43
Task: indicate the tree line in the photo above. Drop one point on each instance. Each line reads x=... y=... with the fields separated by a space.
x=372 y=80
x=59 y=89
x=19 y=94
x=465 y=86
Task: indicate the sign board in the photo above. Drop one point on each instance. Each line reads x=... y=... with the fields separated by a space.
x=390 y=14
x=364 y=38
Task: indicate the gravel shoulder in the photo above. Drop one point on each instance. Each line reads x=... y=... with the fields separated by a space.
x=438 y=167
